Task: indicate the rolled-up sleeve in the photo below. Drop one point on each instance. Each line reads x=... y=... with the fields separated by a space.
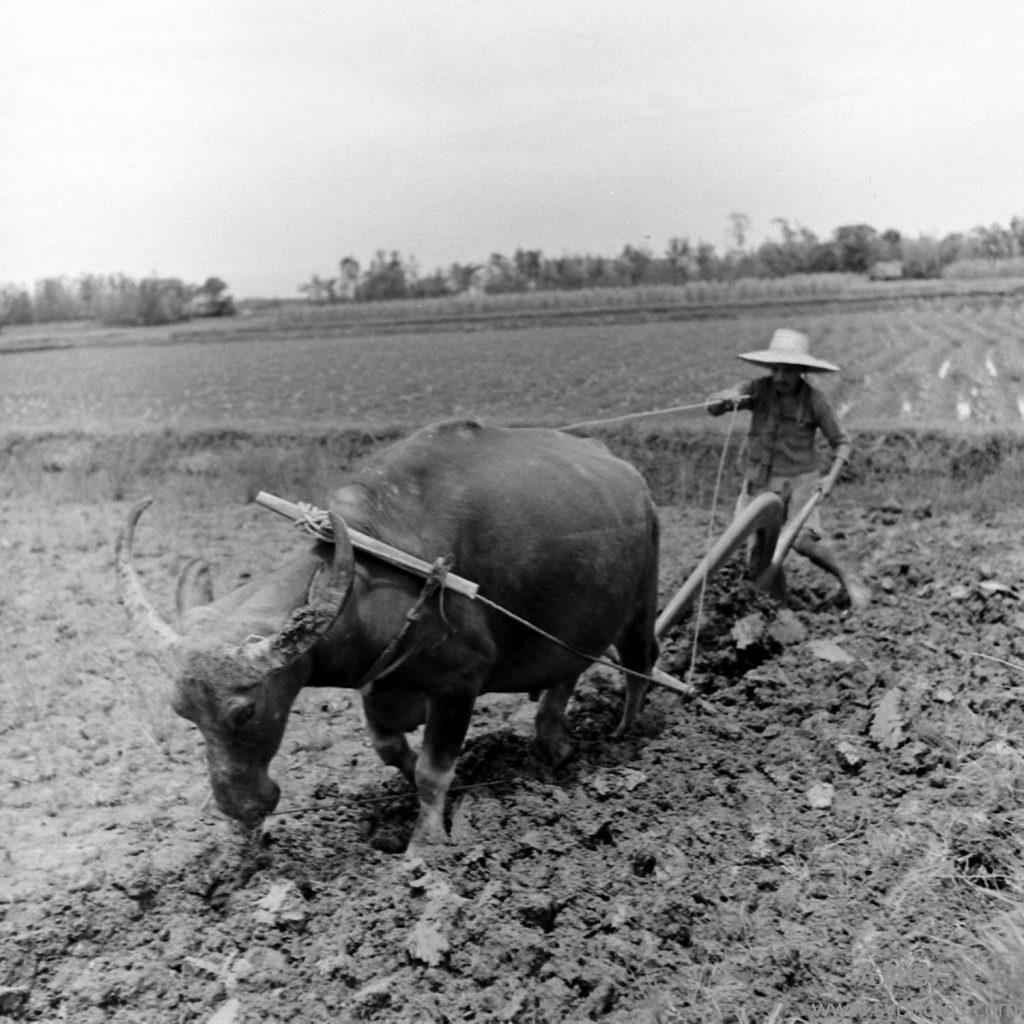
x=831 y=428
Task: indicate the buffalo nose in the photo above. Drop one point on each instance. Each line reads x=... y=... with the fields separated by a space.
x=248 y=804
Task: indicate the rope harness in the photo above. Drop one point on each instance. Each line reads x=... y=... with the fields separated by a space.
x=317 y=523
x=386 y=661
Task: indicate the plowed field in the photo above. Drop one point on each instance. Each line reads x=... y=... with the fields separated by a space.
x=956 y=362
x=830 y=831
x=832 y=834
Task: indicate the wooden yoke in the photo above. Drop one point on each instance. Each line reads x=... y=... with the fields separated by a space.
x=372 y=546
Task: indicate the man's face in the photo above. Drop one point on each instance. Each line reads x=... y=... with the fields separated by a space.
x=785 y=378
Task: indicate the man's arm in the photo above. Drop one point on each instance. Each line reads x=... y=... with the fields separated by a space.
x=737 y=397
x=838 y=440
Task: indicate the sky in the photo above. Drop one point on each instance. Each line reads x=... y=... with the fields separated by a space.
x=261 y=141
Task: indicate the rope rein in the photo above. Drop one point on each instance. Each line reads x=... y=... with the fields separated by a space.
x=317 y=523
x=711 y=530
x=635 y=415
x=561 y=643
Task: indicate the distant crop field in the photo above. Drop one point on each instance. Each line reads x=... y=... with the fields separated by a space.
x=925 y=362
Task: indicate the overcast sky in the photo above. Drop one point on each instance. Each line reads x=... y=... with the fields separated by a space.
x=262 y=140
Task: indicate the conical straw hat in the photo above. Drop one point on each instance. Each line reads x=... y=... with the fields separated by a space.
x=789 y=348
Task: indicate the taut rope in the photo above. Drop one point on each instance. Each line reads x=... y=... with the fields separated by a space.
x=635 y=416
x=711 y=529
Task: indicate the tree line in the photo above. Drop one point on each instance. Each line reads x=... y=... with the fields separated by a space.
x=114 y=299
x=790 y=249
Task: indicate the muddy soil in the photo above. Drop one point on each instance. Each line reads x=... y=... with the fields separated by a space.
x=823 y=831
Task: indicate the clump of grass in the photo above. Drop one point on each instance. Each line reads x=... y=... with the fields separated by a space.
x=993 y=978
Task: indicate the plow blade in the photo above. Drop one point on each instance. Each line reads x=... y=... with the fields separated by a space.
x=763 y=513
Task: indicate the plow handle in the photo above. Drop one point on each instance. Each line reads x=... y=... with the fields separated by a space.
x=764 y=512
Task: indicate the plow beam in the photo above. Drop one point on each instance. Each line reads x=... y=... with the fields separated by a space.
x=765 y=512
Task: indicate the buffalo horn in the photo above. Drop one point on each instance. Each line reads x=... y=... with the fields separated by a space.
x=138 y=606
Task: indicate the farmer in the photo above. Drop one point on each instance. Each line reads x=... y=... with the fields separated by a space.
x=779 y=452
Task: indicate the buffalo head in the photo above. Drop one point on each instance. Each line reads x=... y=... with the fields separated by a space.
x=239 y=661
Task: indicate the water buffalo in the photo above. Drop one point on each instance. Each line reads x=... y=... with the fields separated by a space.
x=550 y=526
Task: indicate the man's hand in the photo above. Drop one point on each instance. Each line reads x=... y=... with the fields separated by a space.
x=827 y=482
x=723 y=401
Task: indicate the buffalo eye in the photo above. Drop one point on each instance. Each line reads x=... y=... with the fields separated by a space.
x=240 y=714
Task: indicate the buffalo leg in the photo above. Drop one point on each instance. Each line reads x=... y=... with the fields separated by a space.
x=637 y=648
x=638 y=651
x=390 y=743
x=554 y=743
x=447 y=724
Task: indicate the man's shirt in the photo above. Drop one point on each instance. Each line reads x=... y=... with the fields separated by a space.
x=781 y=438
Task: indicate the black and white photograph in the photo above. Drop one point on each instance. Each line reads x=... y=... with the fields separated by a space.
x=512 y=513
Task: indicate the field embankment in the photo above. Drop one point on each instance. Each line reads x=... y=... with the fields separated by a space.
x=952 y=468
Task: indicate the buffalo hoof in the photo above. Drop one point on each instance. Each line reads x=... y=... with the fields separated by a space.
x=555 y=750
x=421 y=846
x=389 y=839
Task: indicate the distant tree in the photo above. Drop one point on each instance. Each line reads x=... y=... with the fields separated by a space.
x=55 y=299
x=890 y=245
x=635 y=262
x=212 y=299
x=528 y=264
x=856 y=247
x=707 y=262
x=15 y=305
x=160 y=301
x=385 y=278
x=348 y=278
x=952 y=247
x=681 y=259
x=315 y=289
x=992 y=243
x=500 y=275
x=795 y=252
x=429 y=287
x=596 y=271
x=213 y=286
x=1017 y=230
x=739 y=229
x=461 y=277
x=922 y=257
